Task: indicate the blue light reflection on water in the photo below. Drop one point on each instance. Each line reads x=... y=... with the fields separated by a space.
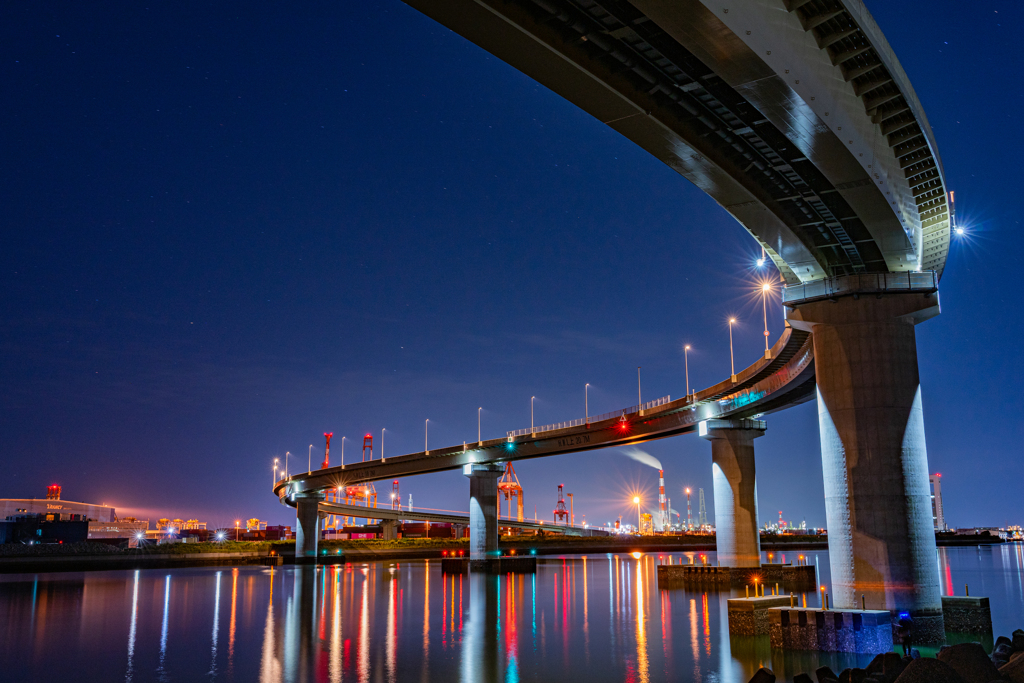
x=398 y=621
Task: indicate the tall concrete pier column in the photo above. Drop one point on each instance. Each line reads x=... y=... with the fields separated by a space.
x=875 y=464
x=732 y=459
x=307 y=526
x=483 y=512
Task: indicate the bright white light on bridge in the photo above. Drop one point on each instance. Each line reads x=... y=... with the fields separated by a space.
x=760 y=262
x=959 y=232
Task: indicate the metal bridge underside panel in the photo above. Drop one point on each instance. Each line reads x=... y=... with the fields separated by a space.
x=681 y=81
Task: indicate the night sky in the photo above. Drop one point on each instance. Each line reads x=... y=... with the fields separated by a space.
x=230 y=227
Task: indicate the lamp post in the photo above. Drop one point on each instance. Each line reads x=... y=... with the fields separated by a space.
x=531 y=412
x=236 y=529
x=732 y=361
x=636 y=499
x=342 y=452
x=765 y=288
x=586 y=402
x=686 y=363
x=382 y=444
x=479 y=441
x=639 y=400
x=275 y=469
x=310 y=456
x=426 y=425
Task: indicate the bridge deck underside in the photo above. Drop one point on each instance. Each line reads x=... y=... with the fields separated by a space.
x=615 y=62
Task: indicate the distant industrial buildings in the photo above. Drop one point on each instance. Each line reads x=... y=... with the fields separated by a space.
x=52 y=504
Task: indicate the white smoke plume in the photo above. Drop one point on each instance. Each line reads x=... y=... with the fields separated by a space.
x=642 y=457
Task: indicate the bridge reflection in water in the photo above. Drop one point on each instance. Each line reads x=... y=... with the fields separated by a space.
x=600 y=617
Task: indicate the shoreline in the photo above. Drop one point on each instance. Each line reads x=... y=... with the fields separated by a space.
x=370 y=551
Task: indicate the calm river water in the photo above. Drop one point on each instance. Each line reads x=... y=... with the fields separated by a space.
x=596 y=618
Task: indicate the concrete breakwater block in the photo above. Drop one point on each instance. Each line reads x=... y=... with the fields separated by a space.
x=749 y=616
x=496 y=565
x=963 y=614
x=792 y=577
x=859 y=631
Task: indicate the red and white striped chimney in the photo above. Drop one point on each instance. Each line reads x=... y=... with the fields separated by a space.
x=661 y=497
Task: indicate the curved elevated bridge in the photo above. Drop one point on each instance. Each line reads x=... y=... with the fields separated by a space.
x=786 y=379
x=797 y=118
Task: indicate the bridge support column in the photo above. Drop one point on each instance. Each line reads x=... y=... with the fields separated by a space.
x=307 y=526
x=874 y=460
x=737 y=537
x=389 y=529
x=483 y=512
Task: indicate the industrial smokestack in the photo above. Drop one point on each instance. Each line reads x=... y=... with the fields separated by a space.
x=661 y=497
x=327 y=450
x=689 y=518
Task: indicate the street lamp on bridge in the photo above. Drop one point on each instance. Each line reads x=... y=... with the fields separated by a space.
x=426 y=449
x=586 y=402
x=686 y=364
x=765 y=288
x=732 y=361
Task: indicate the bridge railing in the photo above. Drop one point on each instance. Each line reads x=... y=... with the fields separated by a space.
x=592 y=418
x=925 y=281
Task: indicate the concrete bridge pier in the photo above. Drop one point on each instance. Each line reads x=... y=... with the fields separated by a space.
x=389 y=529
x=732 y=458
x=874 y=460
x=483 y=513
x=307 y=526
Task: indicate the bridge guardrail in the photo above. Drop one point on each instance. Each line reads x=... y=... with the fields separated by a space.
x=592 y=418
x=925 y=281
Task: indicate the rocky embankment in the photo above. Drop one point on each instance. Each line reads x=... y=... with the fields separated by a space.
x=963 y=663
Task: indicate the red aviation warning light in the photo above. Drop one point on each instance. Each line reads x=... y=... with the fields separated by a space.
x=53 y=492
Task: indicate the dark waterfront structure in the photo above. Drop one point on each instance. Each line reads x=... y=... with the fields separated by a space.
x=796 y=117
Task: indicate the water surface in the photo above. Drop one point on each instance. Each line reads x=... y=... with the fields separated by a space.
x=598 y=618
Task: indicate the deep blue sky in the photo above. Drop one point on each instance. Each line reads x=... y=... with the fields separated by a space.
x=230 y=228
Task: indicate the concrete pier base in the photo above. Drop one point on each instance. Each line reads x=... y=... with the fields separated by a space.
x=483 y=513
x=496 y=565
x=307 y=526
x=749 y=616
x=789 y=577
x=732 y=461
x=874 y=461
x=964 y=614
x=859 y=631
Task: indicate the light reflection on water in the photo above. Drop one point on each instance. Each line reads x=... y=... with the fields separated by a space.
x=403 y=621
